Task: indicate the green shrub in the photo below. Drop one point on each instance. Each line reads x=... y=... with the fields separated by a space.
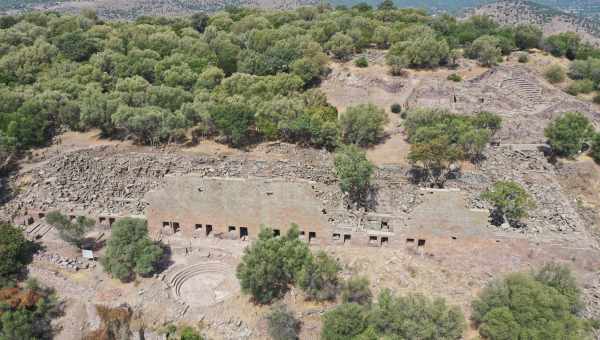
x=282 y=324
x=568 y=134
x=555 y=74
x=271 y=264
x=130 y=251
x=356 y=290
x=523 y=58
x=538 y=306
x=396 y=108
x=455 y=77
x=26 y=313
x=510 y=201
x=354 y=172
x=395 y=317
x=345 y=321
x=595 y=150
x=361 y=62
x=486 y=49
x=16 y=252
x=580 y=86
x=319 y=277
x=362 y=124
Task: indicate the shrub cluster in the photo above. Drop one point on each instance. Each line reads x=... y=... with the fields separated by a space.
x=413 y=316
x=273 y=263
x=439 y=138
x=540 y=305
x=130 y=251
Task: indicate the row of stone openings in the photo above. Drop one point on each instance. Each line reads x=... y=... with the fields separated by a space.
x=376 y=241
x=106 y=221
x=40 y=215
x=337 y=238
x=312 y=236
x=420 y=242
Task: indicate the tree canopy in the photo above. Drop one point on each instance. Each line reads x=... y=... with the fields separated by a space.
x=510 y=201
x=541 y=305
x=412 y=317
x=354 y=172
x=15 y=253
x=130 y=251
x=240 y=75
x=568 y=133
x=271 y=264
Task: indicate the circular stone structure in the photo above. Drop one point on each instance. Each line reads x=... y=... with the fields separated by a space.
x=204 y=284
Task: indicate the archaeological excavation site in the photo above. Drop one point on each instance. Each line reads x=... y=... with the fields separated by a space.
x=317 y=173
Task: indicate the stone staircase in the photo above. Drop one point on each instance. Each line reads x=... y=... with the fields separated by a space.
x=37 y=230
x=519 y=85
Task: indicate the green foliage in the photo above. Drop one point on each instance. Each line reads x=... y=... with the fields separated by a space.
x=416 y=317
x=78 y=45
x=486 y=50
x=533 y=306
x=395 y=317
x=26 y=313
x=510 y=200
x=439 y=138
x=595 y=150
x=15 y=253
x=319 y=277
x=71 y=232
x=434 y=159
x=587 y=71
x=362 y=124
x=527 y=36
x=344 y=322
x=422 y=50
x=568 y=133
x=130 y=251
x=155 y=80
x=584 y=86
x=354 y=172
x=455 y=77
x=356 y=290
x=563 y=44
x=189 y=333
x=523 y=58
x=555 y=74
x=341 y=46
x=271 y=264
x=282 y=324
x=361 y=62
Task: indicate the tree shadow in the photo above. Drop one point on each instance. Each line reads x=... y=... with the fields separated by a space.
x=166 y=259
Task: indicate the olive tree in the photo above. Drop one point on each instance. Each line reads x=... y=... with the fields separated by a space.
x=354 y=172
x=511 y=202
x=568 y=133
x=362 y=124
x=540 y=305
x=130 y=251
x=271 y=264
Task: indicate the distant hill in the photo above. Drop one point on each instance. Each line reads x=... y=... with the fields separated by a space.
x=583 y=15
x=551 y=19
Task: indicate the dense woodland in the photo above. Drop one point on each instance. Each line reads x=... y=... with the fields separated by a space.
x=240 y=75
x=243 y=76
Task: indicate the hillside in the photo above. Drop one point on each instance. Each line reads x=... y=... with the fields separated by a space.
x=552 y=20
